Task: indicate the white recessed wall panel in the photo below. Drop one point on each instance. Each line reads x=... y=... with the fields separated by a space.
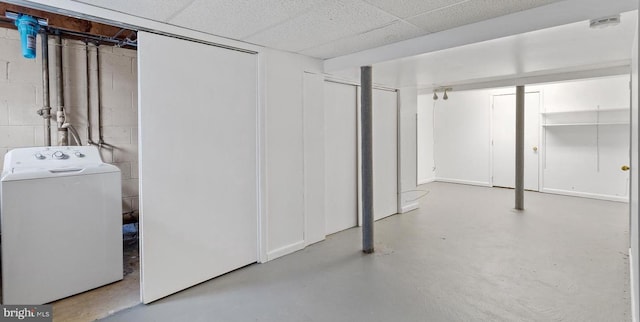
x=407 y=129
x=462 y=137
x=198 y=162
x=314 y=169
x=385 y=153
x=341 y=162
x=425 y=157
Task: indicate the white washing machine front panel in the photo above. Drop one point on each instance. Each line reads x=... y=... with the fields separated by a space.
x=61 y=222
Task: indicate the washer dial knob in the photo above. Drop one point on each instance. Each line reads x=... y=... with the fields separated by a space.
x=59 y=155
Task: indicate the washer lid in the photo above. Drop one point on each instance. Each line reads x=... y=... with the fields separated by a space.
x=44 y=162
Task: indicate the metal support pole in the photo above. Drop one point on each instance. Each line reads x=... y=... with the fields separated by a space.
x=366 y=114
x=45 y=112
x=520 y=147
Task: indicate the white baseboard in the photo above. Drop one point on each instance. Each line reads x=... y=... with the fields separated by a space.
x=459 y=181
x=634 y=308
x=425 y=181
x=409 y=207
x=285 y=250
x=585 y=195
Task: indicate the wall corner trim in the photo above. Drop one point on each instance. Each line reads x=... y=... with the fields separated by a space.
x=624 y=199
x=285 y=250
x=459 y=181
x=409 y=207
x=634 y=314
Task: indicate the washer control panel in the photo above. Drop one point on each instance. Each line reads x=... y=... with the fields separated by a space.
x=59 y=153
x=52 y=157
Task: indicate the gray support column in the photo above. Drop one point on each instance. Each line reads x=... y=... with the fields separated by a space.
x=366 y=115
x=520 y=147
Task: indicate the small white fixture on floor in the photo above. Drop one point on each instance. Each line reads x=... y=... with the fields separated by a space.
x=61 y=211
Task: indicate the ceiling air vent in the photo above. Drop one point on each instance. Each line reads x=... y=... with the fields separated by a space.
x=604 y=22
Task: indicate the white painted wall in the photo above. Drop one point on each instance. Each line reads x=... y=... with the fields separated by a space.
x=569 y=155
x=634 y=211
x=409 y=139
x=425 y=157
x=314 y=158
x=462 y=136
x=284 y=147
x=586 y=159
x=21 y=97
x=198 y=161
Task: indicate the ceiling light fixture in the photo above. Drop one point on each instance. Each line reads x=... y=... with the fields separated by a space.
x=445 y=96
x=435 y=96
x=604 y=22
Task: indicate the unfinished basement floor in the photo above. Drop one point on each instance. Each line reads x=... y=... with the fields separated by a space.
x=465 y=255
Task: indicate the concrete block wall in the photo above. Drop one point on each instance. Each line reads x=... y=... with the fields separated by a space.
x=21 y=97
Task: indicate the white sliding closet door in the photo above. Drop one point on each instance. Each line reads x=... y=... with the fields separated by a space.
x=341 y=160
x=198 y=162
x=385 y=153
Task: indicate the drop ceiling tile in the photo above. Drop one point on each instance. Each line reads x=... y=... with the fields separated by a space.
x=239 y=18
x=158 y=10
x=334 y=20
x=397 y=31
x=471 y=12
x=410 y=8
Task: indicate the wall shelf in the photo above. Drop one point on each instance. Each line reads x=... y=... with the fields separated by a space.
x=584 y=124
x=586 y=111
x=591 y=117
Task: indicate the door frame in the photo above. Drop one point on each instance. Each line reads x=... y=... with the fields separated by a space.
x=359 y=142
x=541 y=142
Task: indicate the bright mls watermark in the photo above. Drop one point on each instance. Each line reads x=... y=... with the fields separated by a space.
x=40 y=313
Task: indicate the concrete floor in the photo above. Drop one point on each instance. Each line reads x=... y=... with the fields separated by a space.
x=465 y=255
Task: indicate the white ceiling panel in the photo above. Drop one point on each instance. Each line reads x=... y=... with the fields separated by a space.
x=569 y=47
x=410 y=8
x=472 y=11
x=396 y=31
x=159 y=10
x=239 y=18
x=332 y=21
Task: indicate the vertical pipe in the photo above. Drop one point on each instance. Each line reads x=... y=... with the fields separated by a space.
x=366 y=114
x=520 y=147
x=46 y=108
x=60 y=117
x=86 y=48
x=99 y=84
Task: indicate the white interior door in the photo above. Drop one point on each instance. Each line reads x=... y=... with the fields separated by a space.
x=341 y=176
x=198 y=162
x=504 y=135
x=385 y=153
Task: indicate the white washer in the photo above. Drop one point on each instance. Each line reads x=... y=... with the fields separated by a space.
x=61 y=212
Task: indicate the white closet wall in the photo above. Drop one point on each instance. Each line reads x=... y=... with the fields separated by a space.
x=198 y=162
